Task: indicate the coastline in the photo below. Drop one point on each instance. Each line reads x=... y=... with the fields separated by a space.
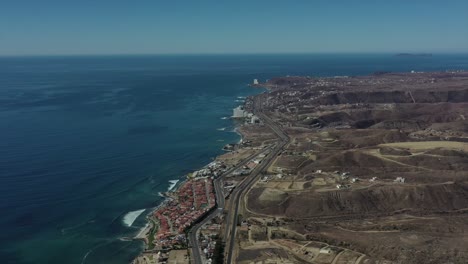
x=141 y=233
x=237 y=131
x=172 y=190
x=134 y=171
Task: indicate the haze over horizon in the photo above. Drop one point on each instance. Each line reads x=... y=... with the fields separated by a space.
x=54 y=27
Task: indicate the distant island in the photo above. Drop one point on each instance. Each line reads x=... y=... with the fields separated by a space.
x=414 y=55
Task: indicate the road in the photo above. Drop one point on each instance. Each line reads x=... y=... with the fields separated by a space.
x=192 y=236
x=239 y=192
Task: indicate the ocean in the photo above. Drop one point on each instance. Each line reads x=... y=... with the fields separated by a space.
x=88 y=142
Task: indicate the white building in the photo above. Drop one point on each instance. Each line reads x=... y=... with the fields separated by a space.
x=255 y=81
x=239 y=112
x=254 y=120
x=325 y=250
x=400 y=180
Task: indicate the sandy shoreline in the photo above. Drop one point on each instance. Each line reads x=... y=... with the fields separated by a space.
x=143 y=231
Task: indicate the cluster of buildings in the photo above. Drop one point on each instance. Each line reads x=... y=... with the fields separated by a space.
x=208 y=237
x=214 y=169
x=193 y=199
x=247 y=168
x=208 y=246
x=240 y=113
x=345 y=176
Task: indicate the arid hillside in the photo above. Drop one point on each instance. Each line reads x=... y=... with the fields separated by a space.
x=376 y=171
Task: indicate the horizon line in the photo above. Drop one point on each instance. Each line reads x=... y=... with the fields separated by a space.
x=234 y=53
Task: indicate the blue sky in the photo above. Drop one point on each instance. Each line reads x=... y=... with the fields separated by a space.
x=165 y=27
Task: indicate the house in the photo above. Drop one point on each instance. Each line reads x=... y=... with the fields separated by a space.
x=399 y=180
x=326 y=250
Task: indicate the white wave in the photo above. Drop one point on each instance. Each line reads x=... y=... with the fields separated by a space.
x=240 y=97
x=221 y=129
x=83 y=260
x=173 y=184
x=86 y=255
x=224 y=117
x=240 y=101
x=130 y=217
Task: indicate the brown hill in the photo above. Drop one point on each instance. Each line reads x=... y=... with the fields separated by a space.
x=378 y=200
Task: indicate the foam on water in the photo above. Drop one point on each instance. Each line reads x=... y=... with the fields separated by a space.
x=130 y=217
x=224 y=117
x=173 y=184
x=85 y=256
x=83 y=260
x=221 y=129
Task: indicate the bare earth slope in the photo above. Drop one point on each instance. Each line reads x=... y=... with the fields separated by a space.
x=376 y=171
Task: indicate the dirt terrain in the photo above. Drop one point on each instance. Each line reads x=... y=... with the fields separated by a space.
x=376 y=171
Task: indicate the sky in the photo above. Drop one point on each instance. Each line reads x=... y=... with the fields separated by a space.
x=61 y=27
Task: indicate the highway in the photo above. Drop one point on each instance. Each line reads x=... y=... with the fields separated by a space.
x=239 y=192
x=192 y=236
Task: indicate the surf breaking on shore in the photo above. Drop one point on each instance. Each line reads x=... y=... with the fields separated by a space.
x=172 y=198
x=173 y=184
x=130 y=217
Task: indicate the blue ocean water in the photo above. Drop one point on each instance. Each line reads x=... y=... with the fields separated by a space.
x=86 y=140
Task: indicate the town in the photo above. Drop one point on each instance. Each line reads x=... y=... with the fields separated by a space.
x=326 y=165
x=194 y=198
